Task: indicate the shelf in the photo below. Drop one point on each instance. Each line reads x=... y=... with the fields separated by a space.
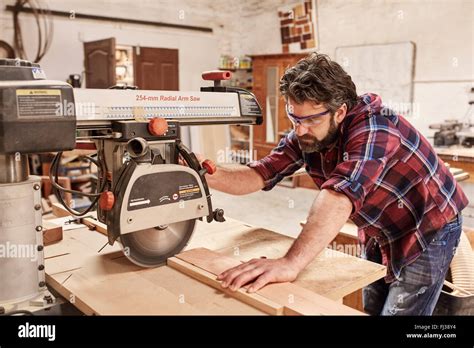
x=237 y=69
x=241 y=143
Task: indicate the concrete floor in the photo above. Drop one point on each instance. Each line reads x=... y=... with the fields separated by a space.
x=282 y=208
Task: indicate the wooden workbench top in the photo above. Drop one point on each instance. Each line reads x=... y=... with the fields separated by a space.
x=98 y=279
x=456 y=151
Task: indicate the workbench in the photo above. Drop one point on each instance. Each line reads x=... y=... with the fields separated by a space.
x=99 y=280
x=458 y=157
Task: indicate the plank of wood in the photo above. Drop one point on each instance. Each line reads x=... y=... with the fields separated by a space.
x=354 y=300
x=294 y=298
x=45 y=206
x=52 y=233
x=93 y=223
x=59 y=210
x=208 y=278
x=456 y=153
x=461 y=176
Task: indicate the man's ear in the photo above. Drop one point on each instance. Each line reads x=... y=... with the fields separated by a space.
x=341 y=113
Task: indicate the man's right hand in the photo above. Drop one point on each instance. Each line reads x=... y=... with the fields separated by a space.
x=236 y=181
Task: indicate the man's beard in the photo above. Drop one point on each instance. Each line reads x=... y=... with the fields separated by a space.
x=309 y=143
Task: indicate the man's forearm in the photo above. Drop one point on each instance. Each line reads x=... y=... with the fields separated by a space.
x=327 y=215
x=237 y=180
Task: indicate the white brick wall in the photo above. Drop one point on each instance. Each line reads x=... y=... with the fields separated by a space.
x=441 y=29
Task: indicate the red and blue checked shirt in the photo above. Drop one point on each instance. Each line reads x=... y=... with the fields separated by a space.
x=401 y=191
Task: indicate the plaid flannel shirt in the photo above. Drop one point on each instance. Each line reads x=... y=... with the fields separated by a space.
x=401 y=191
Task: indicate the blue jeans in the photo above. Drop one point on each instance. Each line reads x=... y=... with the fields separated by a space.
x=417 y=290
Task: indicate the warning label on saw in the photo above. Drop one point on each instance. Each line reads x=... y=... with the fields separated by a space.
x=38 y=102
x=188 y=191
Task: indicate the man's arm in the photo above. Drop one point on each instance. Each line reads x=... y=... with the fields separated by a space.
x=327 y=215
x=263 y=174
x=329 y=212
x=238 y=180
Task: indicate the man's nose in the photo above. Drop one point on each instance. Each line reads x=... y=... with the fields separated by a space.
x=300 y=130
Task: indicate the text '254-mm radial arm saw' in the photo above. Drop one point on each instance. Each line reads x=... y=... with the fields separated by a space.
x=146 y=197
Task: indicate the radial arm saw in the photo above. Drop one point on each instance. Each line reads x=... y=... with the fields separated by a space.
x=147 y=198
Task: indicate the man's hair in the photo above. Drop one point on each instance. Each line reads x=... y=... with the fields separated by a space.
x=319 y=79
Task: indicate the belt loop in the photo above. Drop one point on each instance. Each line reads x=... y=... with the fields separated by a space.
x=457 y=218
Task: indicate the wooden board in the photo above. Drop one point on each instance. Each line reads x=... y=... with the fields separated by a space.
x=209 y=278
x=459 y=157
x=102 y=281
x=106 y=283
x=293 y=299
x=52 y=232
x=456 y=153
x=91 y=222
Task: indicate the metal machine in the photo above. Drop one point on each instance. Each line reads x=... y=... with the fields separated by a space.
x=454 y=132
x=151 y=188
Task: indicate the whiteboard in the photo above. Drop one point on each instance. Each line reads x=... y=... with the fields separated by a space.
x=383 y=69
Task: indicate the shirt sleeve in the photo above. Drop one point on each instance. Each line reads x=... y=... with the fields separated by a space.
x=372 y=142
x=283 y=161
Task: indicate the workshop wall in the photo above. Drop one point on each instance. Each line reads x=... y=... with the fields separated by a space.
x=441 y=30
x=198 y=51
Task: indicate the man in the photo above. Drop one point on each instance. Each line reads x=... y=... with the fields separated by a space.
x=372 y=166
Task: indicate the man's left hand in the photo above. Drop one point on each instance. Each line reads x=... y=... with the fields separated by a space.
x=260 y=272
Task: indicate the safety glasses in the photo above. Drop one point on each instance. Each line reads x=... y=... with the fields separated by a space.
x=306 y=121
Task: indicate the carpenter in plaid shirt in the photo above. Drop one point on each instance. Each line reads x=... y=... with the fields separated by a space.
x=371 y=165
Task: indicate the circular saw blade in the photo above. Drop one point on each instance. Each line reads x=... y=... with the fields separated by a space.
x=151 y=247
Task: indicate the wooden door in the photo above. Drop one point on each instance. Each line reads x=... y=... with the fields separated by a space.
x=99 y=63
x=156 y=68
x=262 y=65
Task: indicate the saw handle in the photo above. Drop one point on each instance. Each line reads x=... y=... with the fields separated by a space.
x=106 y=200
x=217 y=76
x=214 y=75
x=209 y=166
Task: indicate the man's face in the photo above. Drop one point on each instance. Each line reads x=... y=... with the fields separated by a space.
x=317 y=133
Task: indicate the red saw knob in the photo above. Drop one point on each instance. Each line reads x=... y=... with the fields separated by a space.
x=106 y=200
x=158 y=126
x=209 y=166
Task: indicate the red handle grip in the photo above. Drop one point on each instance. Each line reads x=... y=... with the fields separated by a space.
x=209 y=166
x=106 y=200
x=216 y=75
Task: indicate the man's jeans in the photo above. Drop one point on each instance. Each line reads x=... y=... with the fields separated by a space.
x=417 y=290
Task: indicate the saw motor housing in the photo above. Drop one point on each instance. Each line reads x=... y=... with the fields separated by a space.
x=150 y=188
